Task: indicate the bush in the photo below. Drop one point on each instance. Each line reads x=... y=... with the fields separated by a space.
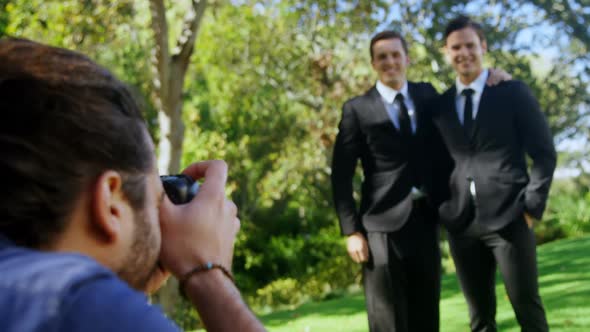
x=280 y=292
x=331 y=275
x=568 y=215
x=319 y=267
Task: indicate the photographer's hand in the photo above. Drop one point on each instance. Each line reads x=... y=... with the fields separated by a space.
x=202 y=231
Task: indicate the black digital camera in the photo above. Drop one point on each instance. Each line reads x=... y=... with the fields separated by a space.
x=179 y=188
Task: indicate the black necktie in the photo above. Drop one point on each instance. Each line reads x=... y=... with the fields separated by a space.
x=468 y=111
x=405 y=125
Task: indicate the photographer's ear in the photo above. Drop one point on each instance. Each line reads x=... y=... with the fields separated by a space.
x=109 y=208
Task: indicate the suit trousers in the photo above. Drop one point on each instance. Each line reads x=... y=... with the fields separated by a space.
x=476 y=253
x=402 y=277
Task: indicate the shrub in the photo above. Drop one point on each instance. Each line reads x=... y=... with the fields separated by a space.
x=285 y=291
x=568 y=215
x=319 y=267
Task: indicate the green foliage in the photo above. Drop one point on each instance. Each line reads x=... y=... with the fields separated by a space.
x=324 y=280
x=319 y=262
x=568 y=15
x=113 y=34
x=279 y=292
x=4 y=16
x=568 y=214
x=85 y=25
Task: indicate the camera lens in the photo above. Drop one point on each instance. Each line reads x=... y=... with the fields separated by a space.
x=180 y=188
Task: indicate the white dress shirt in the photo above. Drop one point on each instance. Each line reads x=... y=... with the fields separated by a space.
x=393 y=108
x=477 y=85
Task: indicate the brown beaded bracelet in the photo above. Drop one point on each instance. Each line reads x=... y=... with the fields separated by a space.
x=201 y=268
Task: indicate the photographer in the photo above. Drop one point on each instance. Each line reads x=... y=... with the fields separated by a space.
x=85 y=224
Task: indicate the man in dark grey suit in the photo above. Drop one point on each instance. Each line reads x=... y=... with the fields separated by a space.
x=493 y=200
x=395 y=231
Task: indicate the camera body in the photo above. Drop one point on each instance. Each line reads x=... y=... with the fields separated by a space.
x=180 y=188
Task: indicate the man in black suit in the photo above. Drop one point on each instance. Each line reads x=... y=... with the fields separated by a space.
x=493 y=200
x=395 y=231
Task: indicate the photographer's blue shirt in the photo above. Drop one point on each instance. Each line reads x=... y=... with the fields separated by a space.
x=43 y=291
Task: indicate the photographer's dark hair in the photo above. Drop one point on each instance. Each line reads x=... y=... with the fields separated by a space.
x=462 y=22
x=64 y=121
x=387 y=34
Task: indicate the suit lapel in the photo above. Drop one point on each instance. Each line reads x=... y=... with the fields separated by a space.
x=418 y=105
x=482 y=111
x=413 y=91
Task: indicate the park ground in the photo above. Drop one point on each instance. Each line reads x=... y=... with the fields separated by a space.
x=564 y=277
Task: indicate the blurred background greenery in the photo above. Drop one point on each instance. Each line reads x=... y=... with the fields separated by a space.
x=263 y=86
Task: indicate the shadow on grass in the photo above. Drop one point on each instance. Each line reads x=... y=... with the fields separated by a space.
x=564 y=256
x=344 y=306
x=449 y=286
x=564 y=283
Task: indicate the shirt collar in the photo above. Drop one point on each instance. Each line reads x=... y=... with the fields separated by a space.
x=477 y=85
x=388 y=94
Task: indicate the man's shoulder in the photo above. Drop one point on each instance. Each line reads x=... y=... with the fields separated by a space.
x=421 y=85
x=37 y=289
x=50 y=270
x=362 y=98
x=423 y=92
x=449 y=92
x=126 y=309
x=441 y=103
x=509 y=87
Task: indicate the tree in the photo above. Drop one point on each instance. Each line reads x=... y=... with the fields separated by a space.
x=574 y=16
x=170 y=70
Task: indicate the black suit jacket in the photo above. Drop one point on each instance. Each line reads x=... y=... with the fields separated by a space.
x=391 y=164
x=509 y=125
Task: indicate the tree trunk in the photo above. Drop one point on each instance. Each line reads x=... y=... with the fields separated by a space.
x=171 y=135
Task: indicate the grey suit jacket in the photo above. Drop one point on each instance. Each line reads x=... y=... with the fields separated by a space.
x=391 y=164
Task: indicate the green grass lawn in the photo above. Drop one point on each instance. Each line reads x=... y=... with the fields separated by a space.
x=564 y=276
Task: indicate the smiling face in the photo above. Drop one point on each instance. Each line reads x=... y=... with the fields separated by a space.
x=390 y=61
x=465 y=51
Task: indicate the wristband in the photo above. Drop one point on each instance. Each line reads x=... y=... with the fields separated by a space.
x=201 y=268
